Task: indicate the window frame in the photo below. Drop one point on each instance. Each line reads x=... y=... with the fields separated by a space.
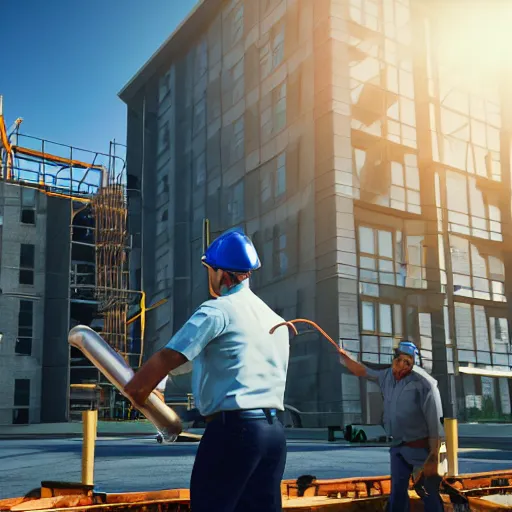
x=25 y=337
x=377 y=334
x=25 y=269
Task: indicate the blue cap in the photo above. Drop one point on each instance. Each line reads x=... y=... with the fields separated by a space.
x=232 y=251
x=409 y=348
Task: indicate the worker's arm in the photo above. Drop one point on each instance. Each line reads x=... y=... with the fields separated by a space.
x=203 y=326
x=433 y=412
x=358 y=369
x=151 y=373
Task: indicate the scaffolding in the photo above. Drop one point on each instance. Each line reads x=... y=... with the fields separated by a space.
x=112 y=275
x=94 y=183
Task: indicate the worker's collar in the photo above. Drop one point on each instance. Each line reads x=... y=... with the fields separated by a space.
x=234 y=289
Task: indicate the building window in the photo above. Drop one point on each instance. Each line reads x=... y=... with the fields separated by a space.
x=162 y=278
x=200 y=169
x=199 y=116
x=401 y=116
x=425 y=346
x=405 y=185
x=476 y=275
x=265 y=5
x=388 y=179
x=237 y=25
x=237 y=73
x=481 y=338
x=237 y=144
x=468 y=211
x=161 y=226
x=201 y=58
x=25 y=328
x=236 y=203
x=414 y=266
x=500 y=342
x=164 y=89
x=376 y=256
x=28 y=205
x=21 y=400
x=280 y=256
x=386 y=258
x=277 y=45
x=466 y=130
x=366 y=13
x=164 y=138
x=20 y=416
x=266 y=183
x=380 y=323
x=279 y=97
x=27 y=255
x=22 y=392
x=281 y=175
x=267 y=260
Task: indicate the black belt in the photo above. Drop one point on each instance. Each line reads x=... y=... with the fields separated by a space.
x=251 y=414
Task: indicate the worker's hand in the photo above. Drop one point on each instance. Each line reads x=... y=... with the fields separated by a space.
x=135 y=394
x=159 y=395
x=430 y=468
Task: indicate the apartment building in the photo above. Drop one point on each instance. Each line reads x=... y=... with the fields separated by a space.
x=59 y=269
x=34 y=280
x=373 y=179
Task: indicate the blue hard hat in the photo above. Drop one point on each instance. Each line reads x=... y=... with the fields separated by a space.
x=409 y=348
x=232 y=251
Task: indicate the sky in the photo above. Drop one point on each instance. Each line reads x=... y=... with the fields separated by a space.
x=64 y=62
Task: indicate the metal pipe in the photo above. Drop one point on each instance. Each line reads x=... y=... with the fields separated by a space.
x=117 y=371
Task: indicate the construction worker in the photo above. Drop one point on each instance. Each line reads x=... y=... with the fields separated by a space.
x=413 y=418
x=239 y=375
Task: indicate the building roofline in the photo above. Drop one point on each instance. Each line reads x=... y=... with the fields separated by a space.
x=202 y=13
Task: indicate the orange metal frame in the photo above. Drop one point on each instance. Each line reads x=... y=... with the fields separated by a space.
x=11 y=150
x=54 y=158
x=4 y=139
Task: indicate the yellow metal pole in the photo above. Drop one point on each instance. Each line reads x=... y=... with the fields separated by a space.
x=95 y=426
x=90 y=421
x=452 y=445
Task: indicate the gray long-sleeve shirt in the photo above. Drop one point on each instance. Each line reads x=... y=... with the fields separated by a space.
x=412 y=406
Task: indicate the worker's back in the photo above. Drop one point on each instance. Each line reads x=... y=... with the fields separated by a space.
x=245 y=366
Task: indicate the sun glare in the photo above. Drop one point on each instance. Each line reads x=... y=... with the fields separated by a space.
x=475 y=38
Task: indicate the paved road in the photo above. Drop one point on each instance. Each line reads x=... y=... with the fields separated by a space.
x=130 y=464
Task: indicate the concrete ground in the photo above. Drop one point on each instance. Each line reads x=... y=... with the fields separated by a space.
x=131 y=464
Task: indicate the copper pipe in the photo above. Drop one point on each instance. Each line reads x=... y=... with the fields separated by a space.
x=291 y=325
x=288 y=324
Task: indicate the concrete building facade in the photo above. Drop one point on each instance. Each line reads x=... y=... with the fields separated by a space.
x=34 y=279
x=373 y=181
x=54 y=275
x=22 y=280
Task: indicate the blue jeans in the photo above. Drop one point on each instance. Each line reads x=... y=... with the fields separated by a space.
x=403 y=461
x=239 y=465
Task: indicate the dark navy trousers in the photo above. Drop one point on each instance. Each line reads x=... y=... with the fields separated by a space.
x=239 y=465
x=403 y=462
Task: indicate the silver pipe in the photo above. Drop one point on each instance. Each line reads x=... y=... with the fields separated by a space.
x=115 y=369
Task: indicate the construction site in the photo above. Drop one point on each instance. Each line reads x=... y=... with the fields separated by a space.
x=64 y=249
x=370 y=167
